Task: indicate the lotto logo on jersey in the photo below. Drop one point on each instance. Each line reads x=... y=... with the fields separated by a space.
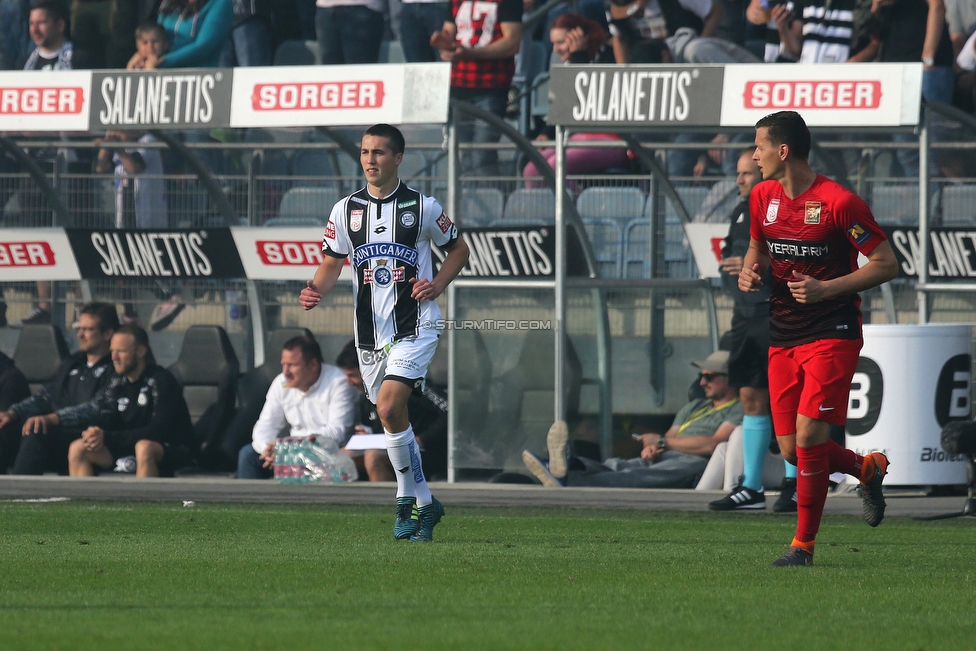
x=444 y=223
x=811 y=215
x=858 y=233
x=772 y=210
x=330 y=231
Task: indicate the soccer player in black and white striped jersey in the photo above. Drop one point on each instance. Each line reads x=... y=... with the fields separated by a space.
x=386 y=229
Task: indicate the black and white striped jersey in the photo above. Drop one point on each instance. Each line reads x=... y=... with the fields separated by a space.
x=388 y=241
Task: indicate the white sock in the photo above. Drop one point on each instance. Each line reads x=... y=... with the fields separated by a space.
x=404 y=454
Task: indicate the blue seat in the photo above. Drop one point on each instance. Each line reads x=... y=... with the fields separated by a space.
x=480 y=206
x=606 y=238
x=305 y=206
x=620 y=204
x=529 y=206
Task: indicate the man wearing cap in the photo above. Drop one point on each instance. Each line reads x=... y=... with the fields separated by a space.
x=674 y=460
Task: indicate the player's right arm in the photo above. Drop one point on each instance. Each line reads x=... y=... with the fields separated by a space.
x=756 y=263
x=322 y=283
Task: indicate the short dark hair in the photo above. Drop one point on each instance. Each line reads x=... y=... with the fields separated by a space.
x=107 y=316
x=788 y=128
x=54 y=9
x=392 y=135
x=137 y=333
x=348 y=357
x=309 y=347
x=152 y=26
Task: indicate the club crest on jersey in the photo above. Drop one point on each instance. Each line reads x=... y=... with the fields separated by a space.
x=383 y=276
x=355 y=220
x=858 y=233
x=444 y=223
x=408 y=219
x=772 y=210
x=143 y=399
x=811 y=213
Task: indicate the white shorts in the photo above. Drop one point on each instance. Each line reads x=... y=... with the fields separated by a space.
x=403 y=361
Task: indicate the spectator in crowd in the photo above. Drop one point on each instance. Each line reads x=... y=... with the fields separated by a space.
x=748 y=341
x=817 y=31
x=911 y=31
x=349 y=31
x=642 y=20
x=961 y=18
x=101 y=29
x=141 y=413
x=418 y=20
x=152 y=44
x=673 y=460
x=577 y=39
x=481 y=46
x=15 y=40
x=43 y=444
x=197 y=31
x=428 y=417
x=13 y=389
x=250 y=37
x=308 y=398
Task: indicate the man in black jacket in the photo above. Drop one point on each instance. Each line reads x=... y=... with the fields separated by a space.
x=141 y=413
x=13 y=388
x=44 y=446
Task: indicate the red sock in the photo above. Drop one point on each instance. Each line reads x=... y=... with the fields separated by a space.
x=844 y=460
x=812 y=480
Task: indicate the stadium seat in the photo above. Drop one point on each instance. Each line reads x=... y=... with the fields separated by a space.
x=529 y=206
x=539 y=105
x=309 y=166
x=620 y=204
x=297 y=53
x=692 y=196
x=677 y=254
x=606 y=238
x=636 y=261
x=523 y=397
x=252 y=388
x=39 y=352
x=895 y=204
x=305 y=207
x=480 y=206
x=207 y=370
x=958 y=205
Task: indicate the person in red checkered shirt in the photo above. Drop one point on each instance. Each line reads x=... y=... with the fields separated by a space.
x=480 y=39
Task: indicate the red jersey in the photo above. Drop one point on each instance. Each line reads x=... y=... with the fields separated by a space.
x=479 y=23
x=818 y=234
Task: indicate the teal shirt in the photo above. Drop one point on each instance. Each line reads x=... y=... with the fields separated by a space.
x=706 y=420
x=197 y=41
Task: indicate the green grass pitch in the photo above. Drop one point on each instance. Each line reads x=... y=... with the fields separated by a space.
x=113 y=576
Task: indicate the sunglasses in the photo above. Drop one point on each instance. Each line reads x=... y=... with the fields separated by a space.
x=708 y=377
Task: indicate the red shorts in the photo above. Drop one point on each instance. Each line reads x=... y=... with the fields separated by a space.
x=813 y=380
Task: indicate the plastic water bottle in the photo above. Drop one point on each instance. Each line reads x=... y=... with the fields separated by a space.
x=234 y=300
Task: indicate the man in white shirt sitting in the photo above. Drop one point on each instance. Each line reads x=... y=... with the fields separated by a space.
x=309 y=397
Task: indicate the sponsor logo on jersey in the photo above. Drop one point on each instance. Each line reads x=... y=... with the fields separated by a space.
x=408 y=219
x=361 y=202
x=356 y=220
x=811 y=214
x=26 y=254
x=787 y=94
x=858 y=233
x=772 y=210
x=330 y=230
x=384 y=250
x=444 y=223
x=406 y=204
x=798 y=250
x=123 y=404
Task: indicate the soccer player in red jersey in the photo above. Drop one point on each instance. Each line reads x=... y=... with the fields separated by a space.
x=809 y=230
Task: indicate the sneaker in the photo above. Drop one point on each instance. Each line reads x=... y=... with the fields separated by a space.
x=430 y=515
x=786 y=502
x=37 y=316
x=407 y=518
x=794 y=557
x=540 y=469
x=873 y=499
x=557 y=440
x=166 y=313
x=741 y=498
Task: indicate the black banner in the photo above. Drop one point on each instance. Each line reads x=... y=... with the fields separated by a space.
x=189 y=253
x=952 y=252
x=516 y=253
x=161 y=99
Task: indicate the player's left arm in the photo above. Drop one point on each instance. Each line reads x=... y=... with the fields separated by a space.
x=881 y=267
x=429 y=290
